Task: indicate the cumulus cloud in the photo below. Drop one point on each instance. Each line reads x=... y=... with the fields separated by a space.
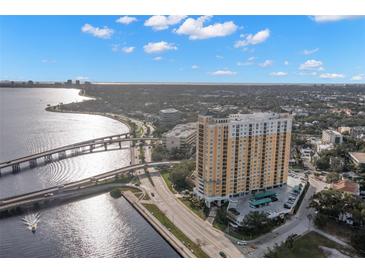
x=250 y=61
x=253 y=39
x=223 y=72
x=196 y=30
x=194 y=66
x=311 y=64
x=279 y=74
x=103 y=33
x=127 y=49
x=331 y=75
x=118 y=48
x=310 y=51
x=157 y=58
x=126 y=20
x=161 y=22
x=332 y=18
x=159 y=47
x=286 y=62
x=266 y=63
x=358 y=77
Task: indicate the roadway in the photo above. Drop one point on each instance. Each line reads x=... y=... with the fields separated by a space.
x=49 y=193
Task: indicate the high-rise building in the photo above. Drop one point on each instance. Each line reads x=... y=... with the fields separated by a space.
x=240 y=154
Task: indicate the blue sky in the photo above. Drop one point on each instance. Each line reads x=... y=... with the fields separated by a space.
x=267 y=49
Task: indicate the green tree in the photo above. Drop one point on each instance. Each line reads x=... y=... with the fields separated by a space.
x=256 y=223
x=332 y=177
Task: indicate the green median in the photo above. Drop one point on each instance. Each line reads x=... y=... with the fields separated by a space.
x=195 y=248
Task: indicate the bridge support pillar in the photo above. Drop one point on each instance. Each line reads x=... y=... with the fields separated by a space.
x=120 y=144
x=33 y=163
x=62 y=155
x=15 y=168
x=91 y=148
x=105 y=146
x=76 y=151
x=48 y=158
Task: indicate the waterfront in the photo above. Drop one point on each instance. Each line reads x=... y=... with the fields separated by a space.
x=95 y=227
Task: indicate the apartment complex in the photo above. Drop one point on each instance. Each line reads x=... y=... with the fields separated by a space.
x=330 y=136
x=181 y=136
x=242 y=153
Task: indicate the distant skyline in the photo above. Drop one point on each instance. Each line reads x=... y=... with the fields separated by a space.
x=227 y=49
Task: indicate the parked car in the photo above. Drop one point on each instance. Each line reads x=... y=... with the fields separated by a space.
x=222 y=254
x=241 y=242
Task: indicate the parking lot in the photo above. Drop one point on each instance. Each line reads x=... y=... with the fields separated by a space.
x=287 y=194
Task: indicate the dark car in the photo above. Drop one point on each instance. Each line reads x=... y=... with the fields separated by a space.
x=222 y=254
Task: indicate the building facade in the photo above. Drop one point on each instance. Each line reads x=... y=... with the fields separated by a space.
x=240 y=154
x=331 y=137
x=181 y=136
x=169 y=117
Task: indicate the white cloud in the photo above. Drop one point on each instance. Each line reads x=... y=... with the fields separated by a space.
x=266 y=63
x=224 y=72
x=158 y=58
x=219 y=56
x=126 y=20
x=82 y=78
x=286 y=62
x=331 y=75
x=279 y=74
x=250 y=61
x=161 y=22
x=253 y=39
x=311 y=64
x=332 y=18
x=358 y=77
x=128 y=49
x=196 y=30
x=48 y=61
x=104 y=32
x=194 y=66
x=118 y=48
x=158 y=47
x=310 y=51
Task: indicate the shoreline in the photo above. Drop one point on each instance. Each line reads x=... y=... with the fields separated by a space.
x=140 y=209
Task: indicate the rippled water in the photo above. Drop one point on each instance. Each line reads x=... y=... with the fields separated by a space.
x=96 y=227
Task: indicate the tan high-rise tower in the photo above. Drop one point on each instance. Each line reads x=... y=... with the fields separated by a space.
x=241 y=154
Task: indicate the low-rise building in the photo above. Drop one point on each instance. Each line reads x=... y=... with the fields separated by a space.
x=180 y=137
x=358 y=159
x=330 y=136
x=169 y=117
x=347 y=186
x=344 y=130
x=358 y=132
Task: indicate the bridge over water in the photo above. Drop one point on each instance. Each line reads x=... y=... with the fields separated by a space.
x=72 y=150
x=27 y=200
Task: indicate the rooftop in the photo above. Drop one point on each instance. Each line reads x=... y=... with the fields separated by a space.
x=358 y=156
x=346 y=186
x=182 y=130
x=169 y=110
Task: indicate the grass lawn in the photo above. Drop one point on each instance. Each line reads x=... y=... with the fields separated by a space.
x=166 y=177
x=308 y=246
x=196 y=210
x=176 y=231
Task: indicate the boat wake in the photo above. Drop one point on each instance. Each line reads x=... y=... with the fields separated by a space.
x=31 y=221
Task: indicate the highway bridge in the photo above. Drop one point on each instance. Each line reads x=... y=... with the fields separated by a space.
x=72 y=150
x=28 y=200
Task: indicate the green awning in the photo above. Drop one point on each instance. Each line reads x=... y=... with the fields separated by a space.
x=260 y=202
x=265 y=194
